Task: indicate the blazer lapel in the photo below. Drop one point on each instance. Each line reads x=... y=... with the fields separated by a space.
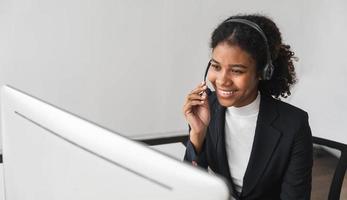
x=265 y=141
x=219 y=124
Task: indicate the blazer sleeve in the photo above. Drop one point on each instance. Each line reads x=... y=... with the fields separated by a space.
x=193 y=157
x=298 y=176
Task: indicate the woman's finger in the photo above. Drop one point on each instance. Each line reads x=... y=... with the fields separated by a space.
x=201 y=87
x=194 y=96
x=187 y=108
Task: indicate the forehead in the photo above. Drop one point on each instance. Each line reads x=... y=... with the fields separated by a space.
x=227 y=54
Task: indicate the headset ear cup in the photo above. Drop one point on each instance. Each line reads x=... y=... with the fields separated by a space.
x=268 y=71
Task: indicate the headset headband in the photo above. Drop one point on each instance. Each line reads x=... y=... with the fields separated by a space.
x=269 y=68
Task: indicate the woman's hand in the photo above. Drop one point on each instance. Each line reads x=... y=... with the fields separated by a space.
x=197 y=113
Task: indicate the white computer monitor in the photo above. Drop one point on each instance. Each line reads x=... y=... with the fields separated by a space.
x=52 y=154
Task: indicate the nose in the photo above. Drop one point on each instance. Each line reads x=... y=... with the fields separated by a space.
x=223 y=79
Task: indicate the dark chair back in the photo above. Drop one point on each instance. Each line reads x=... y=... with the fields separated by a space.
x=340 y=170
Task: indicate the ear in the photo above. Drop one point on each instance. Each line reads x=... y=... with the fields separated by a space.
x=259 y=76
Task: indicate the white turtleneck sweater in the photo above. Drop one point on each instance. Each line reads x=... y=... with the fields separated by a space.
x=240 y=124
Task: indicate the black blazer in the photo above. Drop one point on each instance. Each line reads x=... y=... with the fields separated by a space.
x=280 y=163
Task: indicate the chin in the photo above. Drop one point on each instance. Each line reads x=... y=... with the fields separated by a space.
x=225 y=102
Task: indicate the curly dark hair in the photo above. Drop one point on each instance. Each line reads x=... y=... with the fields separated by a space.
x=250 y=40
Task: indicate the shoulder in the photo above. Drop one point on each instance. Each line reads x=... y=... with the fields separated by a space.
x=289 y=117
x=289 y=110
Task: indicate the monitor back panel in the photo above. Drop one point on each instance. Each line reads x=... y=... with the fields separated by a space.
x=52 y=154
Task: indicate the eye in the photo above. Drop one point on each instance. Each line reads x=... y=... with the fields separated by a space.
x=214 y=66
x=236 y=71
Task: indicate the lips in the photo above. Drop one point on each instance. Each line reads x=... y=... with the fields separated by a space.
x=226 y=93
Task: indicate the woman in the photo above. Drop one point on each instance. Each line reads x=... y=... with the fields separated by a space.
x=262 y=146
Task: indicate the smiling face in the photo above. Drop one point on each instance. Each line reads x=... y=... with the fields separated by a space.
x=233 y=75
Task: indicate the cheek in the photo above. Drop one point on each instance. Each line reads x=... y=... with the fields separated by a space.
x=211 y=76
x=244 y=83
x=250 y=83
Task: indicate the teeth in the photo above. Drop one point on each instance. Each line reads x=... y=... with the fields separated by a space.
x=226 y=92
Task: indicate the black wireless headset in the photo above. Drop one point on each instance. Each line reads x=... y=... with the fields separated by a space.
x=269 y=68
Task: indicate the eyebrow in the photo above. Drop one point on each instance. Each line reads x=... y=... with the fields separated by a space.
x=232 y=65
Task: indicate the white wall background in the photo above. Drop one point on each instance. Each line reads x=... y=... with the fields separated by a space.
x=128 y=65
